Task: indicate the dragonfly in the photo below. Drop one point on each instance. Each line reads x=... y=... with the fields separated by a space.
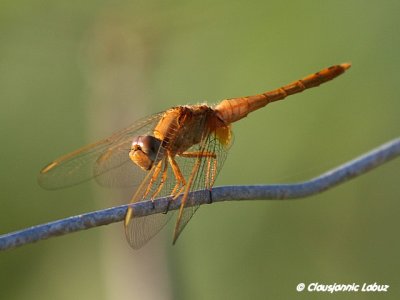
x=170 y=153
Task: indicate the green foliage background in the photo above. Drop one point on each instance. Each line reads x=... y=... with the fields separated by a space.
x=72 y=72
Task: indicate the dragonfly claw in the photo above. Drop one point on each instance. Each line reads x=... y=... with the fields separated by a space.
x=167 y=208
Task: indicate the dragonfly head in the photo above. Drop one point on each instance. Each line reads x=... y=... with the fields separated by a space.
x=145 y=151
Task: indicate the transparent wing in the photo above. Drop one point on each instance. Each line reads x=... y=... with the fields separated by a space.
x=106 y=160
x=199 y=171
x=139 y=230
x=202 y=173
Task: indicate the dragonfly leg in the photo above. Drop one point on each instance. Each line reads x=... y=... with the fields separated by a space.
x=180 y=180
x=211 y=169
x=214 y=172
x=154 y=177
x=198 y=154
x=167 y=209
x=211 y=172
x=163 y=178
x=207 y=177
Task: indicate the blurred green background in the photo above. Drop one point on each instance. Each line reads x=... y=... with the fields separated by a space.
x=72 y=72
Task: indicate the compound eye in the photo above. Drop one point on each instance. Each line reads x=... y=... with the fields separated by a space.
x=145 y=151
x=150 y=144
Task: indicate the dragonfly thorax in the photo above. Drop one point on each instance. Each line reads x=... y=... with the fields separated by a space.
x=145 y=151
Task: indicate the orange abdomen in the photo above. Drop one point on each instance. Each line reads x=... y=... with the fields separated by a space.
x=232 y=110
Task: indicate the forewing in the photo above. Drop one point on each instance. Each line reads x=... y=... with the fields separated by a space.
x=106 y=160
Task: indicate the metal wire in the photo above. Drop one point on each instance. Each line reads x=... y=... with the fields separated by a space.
x=343 y=173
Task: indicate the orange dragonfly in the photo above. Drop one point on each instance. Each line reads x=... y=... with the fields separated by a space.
x=168 y=154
